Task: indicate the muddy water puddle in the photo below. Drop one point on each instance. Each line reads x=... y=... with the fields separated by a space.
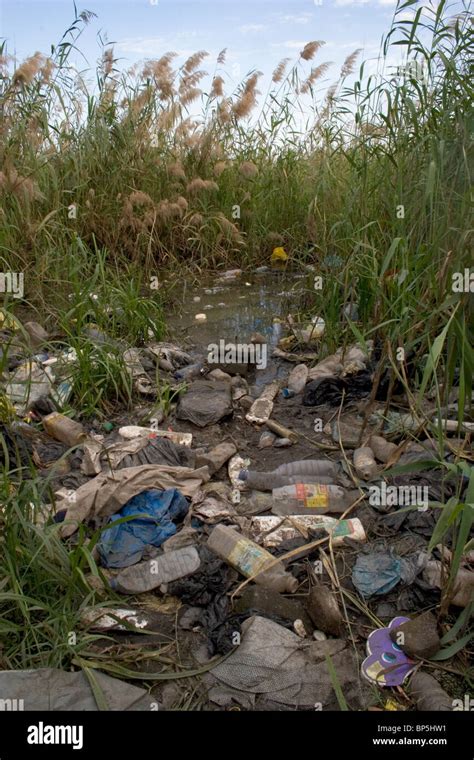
x=234 y=310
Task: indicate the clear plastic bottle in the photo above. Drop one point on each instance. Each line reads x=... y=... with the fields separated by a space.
x=266 y=481
x=364 y=462
x=311 y=498
x=63 y=429
x=249 y=558
x=307 y=470
x=152 y=573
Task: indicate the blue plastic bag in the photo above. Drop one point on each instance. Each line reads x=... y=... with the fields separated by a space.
x=123 y=545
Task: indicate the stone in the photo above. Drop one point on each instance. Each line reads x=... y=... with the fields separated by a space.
x=420 y=636
x=324 y=610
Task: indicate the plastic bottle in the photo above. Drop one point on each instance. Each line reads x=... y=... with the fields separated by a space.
x=63 y=429
x=148 y=575
x=364 y=462
x=308 y=467
x=311 y=498
x=309 y=470
x=135 y=431
x=249 y=558
x=382 y=449
x=266 y=481
x=271 y=530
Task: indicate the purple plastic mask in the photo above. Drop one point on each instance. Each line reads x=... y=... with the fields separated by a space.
x=386 y=664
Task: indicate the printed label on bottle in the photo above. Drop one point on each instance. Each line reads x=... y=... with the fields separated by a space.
x=247 y=558
x=313 y=496
x=344 y=528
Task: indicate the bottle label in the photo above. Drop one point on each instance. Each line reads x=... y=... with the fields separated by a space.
x=248 y=558
x=343 y=528
x=313 y=496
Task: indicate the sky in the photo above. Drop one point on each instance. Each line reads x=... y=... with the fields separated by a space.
x=256 y=33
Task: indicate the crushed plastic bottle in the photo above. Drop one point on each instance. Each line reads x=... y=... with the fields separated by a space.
x=249 y=558
x=145 y=576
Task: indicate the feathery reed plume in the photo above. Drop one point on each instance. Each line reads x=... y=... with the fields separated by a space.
x=194 y=61
x=196 y=185
x=223 y=110
x=176 y=170
x=182 y=203
x=196 y=220
x=248 y=169
x=349 y=63
x=310 y=50
x=316 y=74
x=189 y=95
x=27 y=71
x=108 y=61
x=279 y=72
x=46 y=71
x=162 y=74
x=139 y=198
x=229 y=228
x=219 y=167
x=221 y=57
x=23 y=188
x=248 y=98
x=217 y=90
x=191 y=80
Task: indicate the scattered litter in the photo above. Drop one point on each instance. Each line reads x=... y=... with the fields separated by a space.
x=150 y=574
x=364 y=462
x=271 y=531
x=272 y=662
x=250 y=559
x=105 y=494
x=64 y=429
x=262 y=408
x=463 y=587
x=154 y=514
x=51 y=690
x=386 y=664
x=134 y=431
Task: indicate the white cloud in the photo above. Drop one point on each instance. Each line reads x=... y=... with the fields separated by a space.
x=152 y=46
x=291 y=44
x=301 y=18
x=251 y=28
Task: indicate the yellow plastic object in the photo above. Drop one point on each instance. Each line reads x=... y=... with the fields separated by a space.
x=8 y=321
x=279 y=254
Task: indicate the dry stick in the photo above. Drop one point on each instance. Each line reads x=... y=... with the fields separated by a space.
x=373 y=393
x=349 y=468
x=281 y=430
x=324 y=446
x=339 y=590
